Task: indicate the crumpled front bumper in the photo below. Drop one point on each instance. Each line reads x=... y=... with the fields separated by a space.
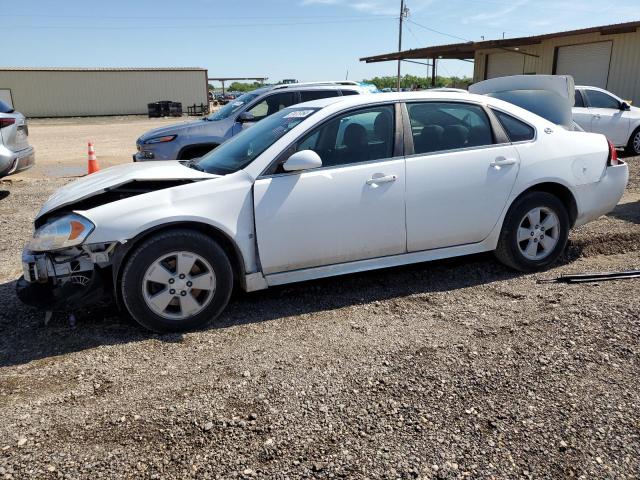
x=53 y=286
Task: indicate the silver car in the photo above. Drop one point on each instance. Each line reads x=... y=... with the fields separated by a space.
x=193 y=139
x=16 y=154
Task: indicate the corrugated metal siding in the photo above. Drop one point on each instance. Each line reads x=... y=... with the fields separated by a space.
x=624 y=78
x=53 y=93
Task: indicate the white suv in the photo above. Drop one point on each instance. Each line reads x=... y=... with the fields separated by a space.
x=599 y=111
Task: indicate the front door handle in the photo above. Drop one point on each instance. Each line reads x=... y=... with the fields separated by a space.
x=501 y=162
x=597 y=116
x=383 y=179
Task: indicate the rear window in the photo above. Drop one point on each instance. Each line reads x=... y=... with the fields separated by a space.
x=517 y=130
x=5 y=107
x=547 y=104
x=308 y=95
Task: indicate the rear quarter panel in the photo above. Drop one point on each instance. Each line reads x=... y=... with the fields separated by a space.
x=557 y=155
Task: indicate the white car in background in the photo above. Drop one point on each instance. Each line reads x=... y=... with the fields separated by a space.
x=323 y=188
x=599 y=111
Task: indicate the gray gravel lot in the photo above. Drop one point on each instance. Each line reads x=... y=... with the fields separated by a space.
x=452 y=369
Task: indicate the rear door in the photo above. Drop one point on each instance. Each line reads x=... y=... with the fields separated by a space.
x=607 y=117
x=458 y=178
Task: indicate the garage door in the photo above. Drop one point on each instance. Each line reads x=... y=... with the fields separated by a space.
x=504 y=63
x=587 y=63
x=5 y=96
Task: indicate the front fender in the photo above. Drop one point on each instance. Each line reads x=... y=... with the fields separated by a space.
x=225 y=204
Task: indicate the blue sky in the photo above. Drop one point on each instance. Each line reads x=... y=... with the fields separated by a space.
x=303 y=39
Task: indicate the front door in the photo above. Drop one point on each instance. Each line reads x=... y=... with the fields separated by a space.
x=352 y=208
x=459 y=179
x=607 y=117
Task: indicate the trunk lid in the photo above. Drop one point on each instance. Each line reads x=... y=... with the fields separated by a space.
x=549 y=96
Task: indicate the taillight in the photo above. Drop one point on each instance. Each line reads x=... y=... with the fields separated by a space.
x=613 y=155
x=5 y=122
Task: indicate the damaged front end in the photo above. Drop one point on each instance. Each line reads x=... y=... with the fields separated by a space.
x=67 y=280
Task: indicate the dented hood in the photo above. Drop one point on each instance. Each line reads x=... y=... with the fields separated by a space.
x=549 y=96
x=114 y=177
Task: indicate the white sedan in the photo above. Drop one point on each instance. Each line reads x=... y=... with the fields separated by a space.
x=599 y=111
x=324 y=188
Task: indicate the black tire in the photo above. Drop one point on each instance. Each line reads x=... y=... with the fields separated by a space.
x=508 y=250
x=633 y=147
x=148 y=252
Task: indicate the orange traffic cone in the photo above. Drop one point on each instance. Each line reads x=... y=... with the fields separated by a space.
x=92 y=166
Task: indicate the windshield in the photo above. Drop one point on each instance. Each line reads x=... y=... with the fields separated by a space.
x=232 y=107
x=242 y=149
x=545 y=103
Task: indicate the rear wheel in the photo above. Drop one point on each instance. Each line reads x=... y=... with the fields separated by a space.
x=534 y=232
x=633 y=147
x=176 y=281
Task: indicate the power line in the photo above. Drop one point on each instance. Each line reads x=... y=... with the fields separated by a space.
x=438 y=31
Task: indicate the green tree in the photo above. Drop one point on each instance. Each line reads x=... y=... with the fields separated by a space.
x=412 y=81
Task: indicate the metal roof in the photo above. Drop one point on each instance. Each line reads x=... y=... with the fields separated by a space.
x=464 y=51
x=91 y=69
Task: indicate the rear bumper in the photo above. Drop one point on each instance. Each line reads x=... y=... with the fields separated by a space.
x=15 y=162
x=596 y=199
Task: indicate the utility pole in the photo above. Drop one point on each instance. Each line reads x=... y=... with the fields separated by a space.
x=403 y=13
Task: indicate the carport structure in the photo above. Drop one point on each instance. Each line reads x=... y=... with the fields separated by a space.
x=234 y=79
x=605 y=56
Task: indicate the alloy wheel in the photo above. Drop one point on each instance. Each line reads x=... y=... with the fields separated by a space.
x=538 y=233
x=179 y=285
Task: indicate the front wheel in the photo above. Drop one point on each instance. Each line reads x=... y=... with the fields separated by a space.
x=534 y=232
x=176 y=281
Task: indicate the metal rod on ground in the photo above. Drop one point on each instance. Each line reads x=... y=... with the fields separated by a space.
x=593 y=277
x=400 y=40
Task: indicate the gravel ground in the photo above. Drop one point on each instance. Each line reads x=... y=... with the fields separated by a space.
x=452 y=369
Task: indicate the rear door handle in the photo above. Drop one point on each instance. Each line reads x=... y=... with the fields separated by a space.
x=501 y=161
x=597 y=116
x=383 y=179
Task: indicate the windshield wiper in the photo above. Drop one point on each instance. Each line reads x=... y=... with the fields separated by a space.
x=193 y=164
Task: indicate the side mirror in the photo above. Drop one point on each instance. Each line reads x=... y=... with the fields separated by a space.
x=302 y=160
x=625 y=106
x=245 y=117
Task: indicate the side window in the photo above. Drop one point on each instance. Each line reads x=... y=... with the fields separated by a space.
x=272 y=104
x=516 y=130
x=348 y=92
x=357 y=136
x=602 y=100
x=438 y=126
x=308 y=95
x=579 y=100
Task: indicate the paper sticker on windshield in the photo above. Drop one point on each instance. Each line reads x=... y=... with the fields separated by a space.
x=299 y=114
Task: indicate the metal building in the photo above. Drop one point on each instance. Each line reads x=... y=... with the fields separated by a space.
x=68 y=92
x=606 y=56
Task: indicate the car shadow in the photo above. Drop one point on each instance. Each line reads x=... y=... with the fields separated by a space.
x=629 y=212
x=25 y=338
x=4 y=194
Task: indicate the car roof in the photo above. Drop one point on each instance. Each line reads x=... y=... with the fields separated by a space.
x=345 y=102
